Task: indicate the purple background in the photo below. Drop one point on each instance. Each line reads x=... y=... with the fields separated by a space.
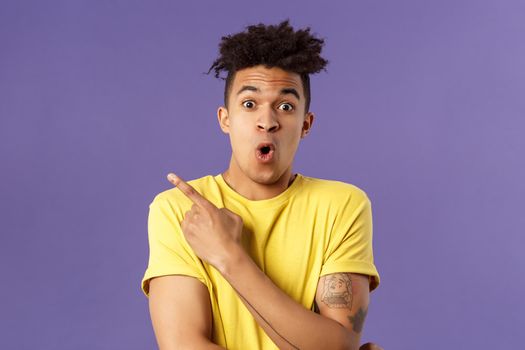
x=422 y=106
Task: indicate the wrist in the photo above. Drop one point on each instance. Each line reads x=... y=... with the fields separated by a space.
x=235 y=256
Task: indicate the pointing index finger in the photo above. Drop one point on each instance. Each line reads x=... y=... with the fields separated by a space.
x=189 y=191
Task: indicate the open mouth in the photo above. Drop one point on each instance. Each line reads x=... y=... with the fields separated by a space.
x=265 y=151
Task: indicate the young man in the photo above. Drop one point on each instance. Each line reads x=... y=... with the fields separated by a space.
x=258 y=257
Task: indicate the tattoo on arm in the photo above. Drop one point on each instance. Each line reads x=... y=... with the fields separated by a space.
x=337 y=293
x=358 y=320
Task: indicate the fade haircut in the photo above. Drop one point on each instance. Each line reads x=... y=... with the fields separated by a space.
x=273 y=46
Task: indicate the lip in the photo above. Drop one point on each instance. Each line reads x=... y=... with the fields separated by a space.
x=265 y=158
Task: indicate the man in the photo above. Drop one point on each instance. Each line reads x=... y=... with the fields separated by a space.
x=258 y=257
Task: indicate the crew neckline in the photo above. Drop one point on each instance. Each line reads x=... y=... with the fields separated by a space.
x=279 y=199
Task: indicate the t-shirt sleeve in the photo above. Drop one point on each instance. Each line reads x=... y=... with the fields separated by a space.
x=169 y=253
x=350 y=247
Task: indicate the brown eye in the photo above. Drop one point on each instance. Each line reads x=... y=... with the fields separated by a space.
x=248 y=104
x=286 y=107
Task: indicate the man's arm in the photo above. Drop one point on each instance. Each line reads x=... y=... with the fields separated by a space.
x=344 y=297
x=288 y=323
x=180 y=313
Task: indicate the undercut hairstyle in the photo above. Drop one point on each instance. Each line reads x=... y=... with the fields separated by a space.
x=273 y=46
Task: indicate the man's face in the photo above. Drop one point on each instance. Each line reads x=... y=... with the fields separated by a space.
x=265 y=105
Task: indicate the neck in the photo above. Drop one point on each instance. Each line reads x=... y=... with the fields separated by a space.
x=257 y=188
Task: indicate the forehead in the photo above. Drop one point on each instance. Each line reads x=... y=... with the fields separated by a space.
x=266 y=78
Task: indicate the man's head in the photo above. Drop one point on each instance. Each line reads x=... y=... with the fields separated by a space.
x=272 y=46
x=267 y=96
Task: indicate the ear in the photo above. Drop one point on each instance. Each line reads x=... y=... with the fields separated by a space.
x=307 y=124
x=224 y=119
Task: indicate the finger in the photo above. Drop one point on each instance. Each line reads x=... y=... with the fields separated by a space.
x=196 y=208
x=189 y=191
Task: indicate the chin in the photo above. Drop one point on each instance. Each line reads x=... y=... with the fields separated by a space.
x=268 y=177
x=260 y=174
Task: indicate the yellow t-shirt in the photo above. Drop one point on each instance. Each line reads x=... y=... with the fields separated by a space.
x=314 y=228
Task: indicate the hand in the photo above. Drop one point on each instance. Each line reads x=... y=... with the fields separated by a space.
x=213 y=233
x=370 y=346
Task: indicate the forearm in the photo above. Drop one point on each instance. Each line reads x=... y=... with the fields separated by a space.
x=289 y=324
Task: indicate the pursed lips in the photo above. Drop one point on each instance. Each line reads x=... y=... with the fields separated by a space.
x=264 y=152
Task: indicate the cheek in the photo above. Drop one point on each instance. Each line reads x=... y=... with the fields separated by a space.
x=292 y=143
x=240 y=141
x=238 y=125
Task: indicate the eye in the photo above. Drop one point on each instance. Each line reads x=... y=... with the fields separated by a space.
x=248 y=104
x=287 y=107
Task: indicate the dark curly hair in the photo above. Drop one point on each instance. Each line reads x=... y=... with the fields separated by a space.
x=273 y=46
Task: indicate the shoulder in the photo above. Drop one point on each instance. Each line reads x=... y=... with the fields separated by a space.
x=334 y=190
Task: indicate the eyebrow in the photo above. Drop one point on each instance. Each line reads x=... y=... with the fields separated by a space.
x=283 y=91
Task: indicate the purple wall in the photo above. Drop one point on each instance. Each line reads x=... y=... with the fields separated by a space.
x=423 y=106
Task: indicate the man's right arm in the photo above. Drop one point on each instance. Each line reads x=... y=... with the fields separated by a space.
x=181 y=313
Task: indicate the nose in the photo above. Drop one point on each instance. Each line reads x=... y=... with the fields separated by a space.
x=267 y=121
